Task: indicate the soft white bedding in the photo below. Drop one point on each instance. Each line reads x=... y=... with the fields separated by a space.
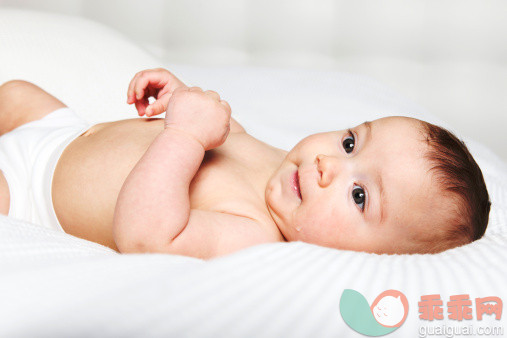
x=53 y=284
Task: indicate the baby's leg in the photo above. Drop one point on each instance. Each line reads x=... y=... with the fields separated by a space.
x=22 y=102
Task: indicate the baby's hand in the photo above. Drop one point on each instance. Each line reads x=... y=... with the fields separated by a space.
x=201 y=115
x=158 y=83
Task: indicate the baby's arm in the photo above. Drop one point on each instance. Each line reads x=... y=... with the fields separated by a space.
x=156 y=193
x=153 y=205
x=153 y=212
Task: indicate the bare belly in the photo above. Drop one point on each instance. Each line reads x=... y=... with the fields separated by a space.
x=91 y=172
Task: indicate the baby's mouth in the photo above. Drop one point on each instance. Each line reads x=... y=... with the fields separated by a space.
x=295 y=184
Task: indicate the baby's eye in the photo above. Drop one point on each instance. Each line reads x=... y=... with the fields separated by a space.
x=349 y=142
x=359 y=196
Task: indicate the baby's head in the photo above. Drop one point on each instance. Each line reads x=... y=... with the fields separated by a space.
x=393 y=185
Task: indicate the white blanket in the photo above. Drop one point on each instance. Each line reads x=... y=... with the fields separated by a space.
x=53 y=284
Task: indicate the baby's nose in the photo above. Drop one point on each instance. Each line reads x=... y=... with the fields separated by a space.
x=327 y=167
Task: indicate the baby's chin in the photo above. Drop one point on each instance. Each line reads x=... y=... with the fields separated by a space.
x=296 y=232
x=288 y=231
x=289 y=234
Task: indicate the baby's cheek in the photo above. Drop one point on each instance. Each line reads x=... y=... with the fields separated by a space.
x=303 y=148
x=322 y=226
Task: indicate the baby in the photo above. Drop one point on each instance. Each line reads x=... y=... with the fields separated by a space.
x=195 y=183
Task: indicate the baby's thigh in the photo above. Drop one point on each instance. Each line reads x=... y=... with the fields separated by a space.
x=4 y=195
x=22 y=102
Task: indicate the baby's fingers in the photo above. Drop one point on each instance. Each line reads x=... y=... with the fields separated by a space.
x=147 y=80
x=141 y=106
x=212 y=94
x=140 y=86
x=152 y=81
x=159 y=106
x=155 y=108
x=130 y=91
x=226 y=105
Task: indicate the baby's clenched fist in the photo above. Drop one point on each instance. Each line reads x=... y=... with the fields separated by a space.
x=200 y=114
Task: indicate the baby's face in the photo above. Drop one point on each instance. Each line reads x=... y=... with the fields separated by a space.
x=366 y=191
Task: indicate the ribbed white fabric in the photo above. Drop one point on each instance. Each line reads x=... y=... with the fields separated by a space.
x=56 y=285
x=63 y=286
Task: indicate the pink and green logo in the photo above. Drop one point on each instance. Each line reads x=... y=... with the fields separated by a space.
x=386 y=314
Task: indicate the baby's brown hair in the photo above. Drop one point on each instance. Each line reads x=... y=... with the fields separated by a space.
x=459 y=177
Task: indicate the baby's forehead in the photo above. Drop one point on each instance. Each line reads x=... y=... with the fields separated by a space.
x=395 y=122
x=396 y=132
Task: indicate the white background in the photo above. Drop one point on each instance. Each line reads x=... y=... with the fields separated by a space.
x=449 y=56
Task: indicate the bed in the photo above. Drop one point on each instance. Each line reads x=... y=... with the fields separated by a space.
x=56 y=285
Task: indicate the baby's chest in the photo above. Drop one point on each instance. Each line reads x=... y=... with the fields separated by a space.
x=223 y=185
x=227 y=181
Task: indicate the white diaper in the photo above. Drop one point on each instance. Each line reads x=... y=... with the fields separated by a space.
x=28 y=157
